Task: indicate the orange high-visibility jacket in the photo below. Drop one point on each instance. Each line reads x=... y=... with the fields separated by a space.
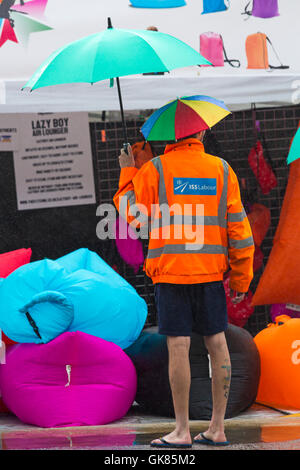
x=197 y=224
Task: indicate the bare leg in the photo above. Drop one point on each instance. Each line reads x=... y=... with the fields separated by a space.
x=180 y=381
x=221 y=375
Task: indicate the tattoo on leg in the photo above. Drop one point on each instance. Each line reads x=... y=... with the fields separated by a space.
x=227 y=380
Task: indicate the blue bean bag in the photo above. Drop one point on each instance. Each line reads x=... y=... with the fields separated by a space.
x=78 y=292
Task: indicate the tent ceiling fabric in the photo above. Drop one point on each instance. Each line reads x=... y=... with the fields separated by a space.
x=151 y=92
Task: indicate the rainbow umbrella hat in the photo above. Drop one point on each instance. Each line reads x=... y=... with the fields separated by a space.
x=183 y=117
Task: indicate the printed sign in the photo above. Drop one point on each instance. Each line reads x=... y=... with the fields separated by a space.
x=54 y=166
x=8 y=133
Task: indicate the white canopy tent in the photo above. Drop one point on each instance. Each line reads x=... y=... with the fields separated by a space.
x=238 y=87
x=150 y=92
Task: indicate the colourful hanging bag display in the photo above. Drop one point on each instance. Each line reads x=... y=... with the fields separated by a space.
x=261 y=168
x=262 y=8
x=212 y=48
x=214 y=6
x=257 y=52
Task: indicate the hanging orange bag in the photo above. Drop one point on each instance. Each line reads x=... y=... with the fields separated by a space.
x=257 y=52
x=260 y=219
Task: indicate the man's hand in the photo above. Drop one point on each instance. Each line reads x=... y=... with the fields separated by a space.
x=126 y=160
x=236 y=297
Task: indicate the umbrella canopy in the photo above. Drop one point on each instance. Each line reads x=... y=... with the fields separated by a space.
x=294 y=152
x=183 y=117
x=114 y=53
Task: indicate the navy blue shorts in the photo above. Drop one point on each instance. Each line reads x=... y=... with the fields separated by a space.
x=183 y=308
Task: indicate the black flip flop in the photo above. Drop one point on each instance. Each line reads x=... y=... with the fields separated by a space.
x=209 y=442
x=164 y=443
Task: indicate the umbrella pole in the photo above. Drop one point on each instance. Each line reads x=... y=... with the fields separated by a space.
x=125 y=144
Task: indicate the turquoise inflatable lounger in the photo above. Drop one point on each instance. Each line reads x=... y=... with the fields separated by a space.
x=78 y=292
x=157 y=3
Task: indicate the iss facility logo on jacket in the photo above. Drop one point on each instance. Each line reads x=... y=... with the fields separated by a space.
x=195 y=186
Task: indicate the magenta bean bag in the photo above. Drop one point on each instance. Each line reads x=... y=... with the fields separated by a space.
x=291 y=310
x=75 y=380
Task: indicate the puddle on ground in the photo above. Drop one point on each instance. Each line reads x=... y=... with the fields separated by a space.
x=119 y=438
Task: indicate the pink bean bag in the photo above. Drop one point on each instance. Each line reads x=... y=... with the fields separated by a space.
x=8 y=263
x=75 y=380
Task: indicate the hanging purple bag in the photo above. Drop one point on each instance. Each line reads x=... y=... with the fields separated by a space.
x=262 y=8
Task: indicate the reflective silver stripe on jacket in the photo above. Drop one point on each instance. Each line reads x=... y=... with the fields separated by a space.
x=222 y=209
x=179 y=219
x=162 y=191
x=237 y=216
x=183 y=249
x=130 y=195
x=245 y=243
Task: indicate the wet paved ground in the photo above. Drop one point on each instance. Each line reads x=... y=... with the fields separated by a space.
x=258 y=428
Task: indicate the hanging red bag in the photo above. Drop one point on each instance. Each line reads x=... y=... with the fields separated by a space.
x=261 y=168
x=257 y=259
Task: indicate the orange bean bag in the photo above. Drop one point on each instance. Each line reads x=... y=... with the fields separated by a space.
x=279 y=349
x=280 y=281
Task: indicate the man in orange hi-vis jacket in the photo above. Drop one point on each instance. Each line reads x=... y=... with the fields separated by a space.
x=198 y=229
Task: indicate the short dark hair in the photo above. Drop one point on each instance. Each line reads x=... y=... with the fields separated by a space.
x=192 y=136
